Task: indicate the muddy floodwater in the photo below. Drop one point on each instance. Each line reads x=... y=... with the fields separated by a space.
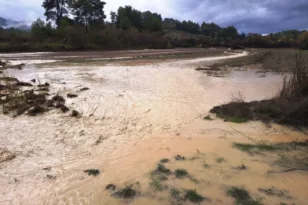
x=134 y=114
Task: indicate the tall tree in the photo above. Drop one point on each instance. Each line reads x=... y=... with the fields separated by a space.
x=113 y=17
x=55 y=9
x=89 y=12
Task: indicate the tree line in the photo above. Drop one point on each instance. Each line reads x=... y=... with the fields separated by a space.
x=82 y=25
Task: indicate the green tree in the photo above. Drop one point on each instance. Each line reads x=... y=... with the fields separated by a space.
x=229 y=33
x=55 y=9
x=152 y=21
x=41 y=30
x=89 y=12
x=128 y=17
x=113 y=17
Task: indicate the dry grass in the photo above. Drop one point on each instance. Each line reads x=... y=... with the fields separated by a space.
x=296 y=86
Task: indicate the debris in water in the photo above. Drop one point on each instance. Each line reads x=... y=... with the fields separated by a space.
x=179 y=157
x=72 y=95
x=20 y=83
x=49 y=176
x=84 y=89
x=93 y=172
x=110 y=187
x=6 y=155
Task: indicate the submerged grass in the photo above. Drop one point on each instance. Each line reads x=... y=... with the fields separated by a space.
x=263 y=147
x=164 y=160
x=180 y=173
x=156 y=185
x=193 y=196
x=242 y=196
x=220 y=160
x=208 y=117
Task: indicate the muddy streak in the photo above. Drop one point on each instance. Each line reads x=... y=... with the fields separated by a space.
x=131 y=117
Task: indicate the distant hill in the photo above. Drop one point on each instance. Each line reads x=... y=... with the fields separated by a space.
x=7 y=23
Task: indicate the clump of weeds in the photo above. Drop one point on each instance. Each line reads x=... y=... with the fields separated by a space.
x=242 y=196
x=193 y=196
x=220 y=160
x=164 y=160
x=93 y=172
x=179 y=157
x=180 y=173
x=126 y=192
x=273 y=191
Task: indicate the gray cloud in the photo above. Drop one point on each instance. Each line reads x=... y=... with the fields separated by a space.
x=261 y=16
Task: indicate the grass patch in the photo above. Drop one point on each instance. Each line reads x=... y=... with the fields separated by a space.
x=175 y=193
x=220 y=160
x=273 y=191
x=241 y=167
x=126 y=192
x=164 y=160
x=193 y=196
x=293 y=162
x=162 y=169
x=242 y=196
x=205 y=165
x=256 y=148
x=180 y=173
x=157 y=185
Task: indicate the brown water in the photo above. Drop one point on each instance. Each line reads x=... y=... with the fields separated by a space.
x=133 y=116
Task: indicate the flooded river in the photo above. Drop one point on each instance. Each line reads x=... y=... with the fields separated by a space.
x=133 y=115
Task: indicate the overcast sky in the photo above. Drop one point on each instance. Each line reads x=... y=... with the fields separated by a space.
x=261 y=16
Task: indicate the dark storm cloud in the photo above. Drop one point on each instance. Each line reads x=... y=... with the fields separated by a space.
x=261 y=16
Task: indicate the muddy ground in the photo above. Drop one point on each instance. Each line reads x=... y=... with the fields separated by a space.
x=136 y=113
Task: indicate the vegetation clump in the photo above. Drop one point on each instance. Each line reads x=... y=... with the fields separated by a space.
x=273 y=191
x=162 y=169
x=75 y=113
x=180 y=173
x=262 y=147
x=208 y=117
x=164 y=160
x=126 y=192
x=179 y=157
x=220 y=160
x=70 y=95
x=241 y=167
x=193 y=196
x=58 y=98
x=93 y=172
x=36 y=110
x=110 y=187
x=242 y=196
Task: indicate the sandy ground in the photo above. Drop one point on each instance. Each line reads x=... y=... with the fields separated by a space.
x=132 y=116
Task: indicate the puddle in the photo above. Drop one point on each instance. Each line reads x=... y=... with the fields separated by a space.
x=133 y=116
